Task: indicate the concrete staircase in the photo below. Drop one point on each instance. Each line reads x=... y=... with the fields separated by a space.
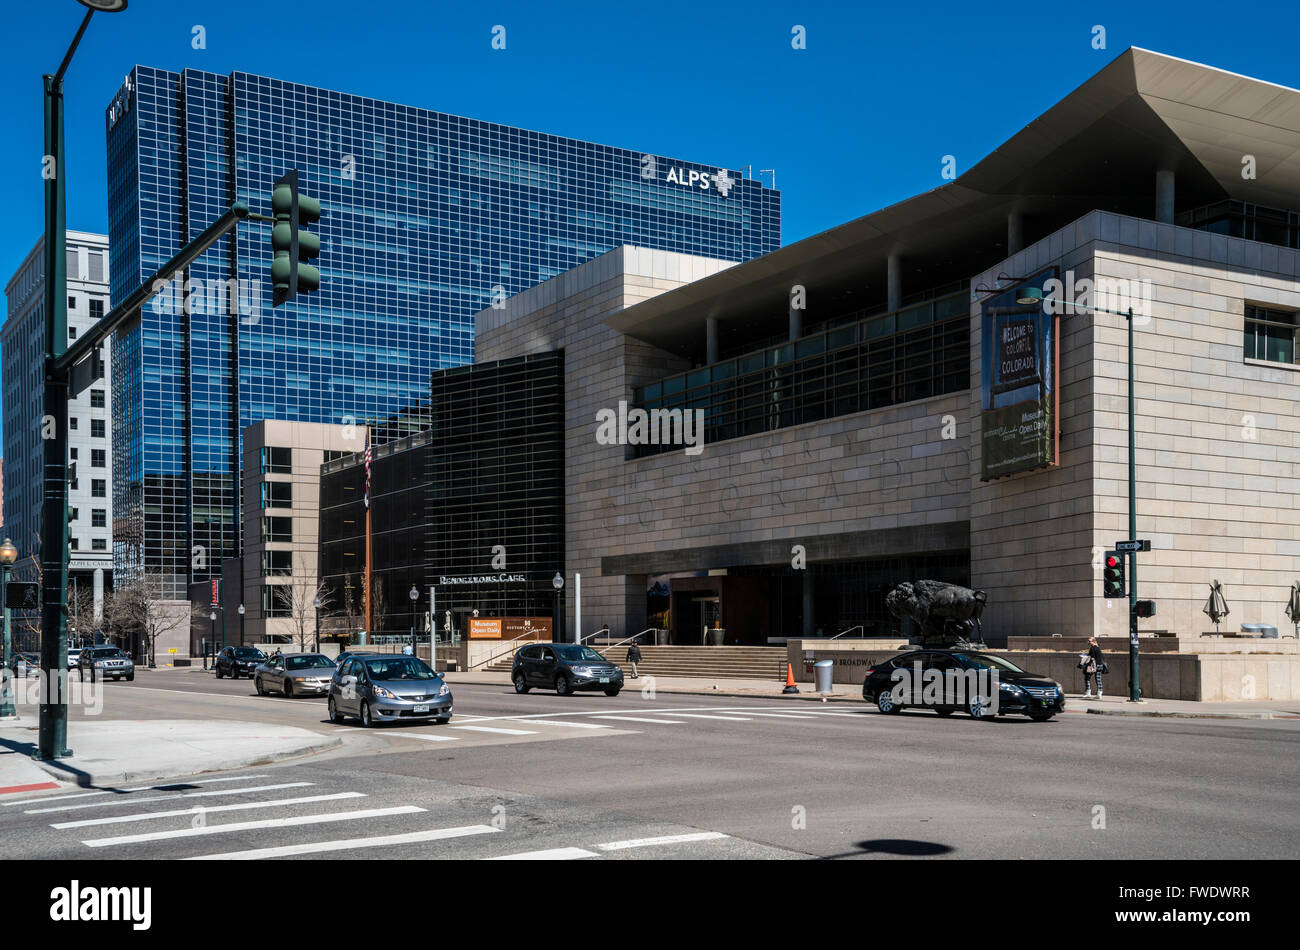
x=766 y=663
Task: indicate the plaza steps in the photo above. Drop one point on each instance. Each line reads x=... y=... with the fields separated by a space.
x=741 y=662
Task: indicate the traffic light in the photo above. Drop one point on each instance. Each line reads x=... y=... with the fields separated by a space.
x=292 y=244
x=1112 y=576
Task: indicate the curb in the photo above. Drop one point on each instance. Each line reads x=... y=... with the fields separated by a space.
x=150 y=775
x=1157 y=714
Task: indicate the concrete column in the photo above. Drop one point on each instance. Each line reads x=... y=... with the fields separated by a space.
x=99 y=594
x=796 y=324
x=808 y=627
x=1165 y=196
x=895 y=282
x=1015 y=232
x=711 y=339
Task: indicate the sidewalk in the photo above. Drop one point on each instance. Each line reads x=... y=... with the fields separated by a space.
x=852 y=693
x=114 y=752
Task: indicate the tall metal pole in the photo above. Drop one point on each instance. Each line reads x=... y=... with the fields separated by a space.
x=433 y=628
x=7 y=710
x=1134 y=689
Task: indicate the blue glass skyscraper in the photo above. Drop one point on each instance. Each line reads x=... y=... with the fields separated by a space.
x=427 y=217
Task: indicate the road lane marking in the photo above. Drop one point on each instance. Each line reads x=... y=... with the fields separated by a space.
x=666 y=722
x=567 y=725
x=768 y=715
x=406 y=735
x=723 y=718
x=184 y=796
x=237 y=806
x=665 y=839
x=123 y=791
x=502 y=732
x=347 y=844
x=254 y=825
x=34 y=787
x=551 y=854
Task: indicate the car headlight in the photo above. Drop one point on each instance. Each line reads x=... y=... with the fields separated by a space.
x=443 y=690
x=1009 y=687
x=386 y=694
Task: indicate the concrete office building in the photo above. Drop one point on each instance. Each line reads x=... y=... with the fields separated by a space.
x=90 y=496
x=879 y=407
x=428 y=218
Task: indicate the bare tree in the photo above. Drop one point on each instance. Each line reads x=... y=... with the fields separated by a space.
x=353 y=608
x=81 y=612
x=140 y=607
x=299 y=600
x=378 y=604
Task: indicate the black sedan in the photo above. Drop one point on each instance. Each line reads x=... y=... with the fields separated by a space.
x=982 y=684
x=564 y=667
x=238 y=661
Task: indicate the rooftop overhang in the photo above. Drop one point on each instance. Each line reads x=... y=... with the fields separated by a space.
x=1098 y=148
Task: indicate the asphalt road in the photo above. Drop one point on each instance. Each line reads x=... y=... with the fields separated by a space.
x=746 y=777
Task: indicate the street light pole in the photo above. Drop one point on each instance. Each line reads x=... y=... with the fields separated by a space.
x=241 y=625
x=415 y=596
x=52 y=738
x=8 y=554
x=1134 y=686
x=433 y=628
x=318 y=603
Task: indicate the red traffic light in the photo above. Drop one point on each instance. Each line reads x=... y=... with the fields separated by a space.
x=1112 y=561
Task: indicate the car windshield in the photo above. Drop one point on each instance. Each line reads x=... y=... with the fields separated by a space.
x=989 y=661
x=399 y=668
x=307 y=662
x=575 y=652
x=113 y=653
x=248 y=653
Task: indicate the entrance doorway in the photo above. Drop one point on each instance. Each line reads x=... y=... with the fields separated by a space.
x=708 y=611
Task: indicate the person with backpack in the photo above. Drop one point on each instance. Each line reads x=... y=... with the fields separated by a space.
x=1093 y=665
x=634 y=657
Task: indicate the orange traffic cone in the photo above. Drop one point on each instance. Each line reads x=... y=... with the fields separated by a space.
x=789 y=680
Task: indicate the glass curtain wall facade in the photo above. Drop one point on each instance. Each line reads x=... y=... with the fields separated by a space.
x=427 y=219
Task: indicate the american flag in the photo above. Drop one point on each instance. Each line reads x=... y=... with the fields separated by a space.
x=367 y=469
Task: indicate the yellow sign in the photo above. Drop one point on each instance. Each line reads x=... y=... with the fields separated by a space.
x=171 y=649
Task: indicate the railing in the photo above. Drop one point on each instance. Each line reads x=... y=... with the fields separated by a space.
x=635 y=636
x=510 y=648
x=848 y=631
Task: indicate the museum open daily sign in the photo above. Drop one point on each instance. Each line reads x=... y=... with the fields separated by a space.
x=1018 y=385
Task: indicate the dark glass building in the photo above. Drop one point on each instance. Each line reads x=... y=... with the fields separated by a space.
x=427 y=219
x=474 y=505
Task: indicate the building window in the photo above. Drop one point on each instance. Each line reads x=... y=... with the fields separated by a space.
x=97 y=458
x=98 y=544
x=72 y=303
x=275 y=602
x=72 y=333
x=97 y=399
x=72 y=422
x=277 y=563
x=1271 y=334
x=99 y=488
x=276 y=461
x=96 y=309
x=72 y=544
x=72 y=453
x=72 y=514
x=277 y=494
x=277 y=529
x=98 y=518
x=96 y=428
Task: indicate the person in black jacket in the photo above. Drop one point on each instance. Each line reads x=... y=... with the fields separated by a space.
x=1092 y=668
x=634 y=657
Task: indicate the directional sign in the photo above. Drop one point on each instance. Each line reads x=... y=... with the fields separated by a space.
x=1129 y=547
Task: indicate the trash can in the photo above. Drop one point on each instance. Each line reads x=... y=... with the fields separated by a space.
x=661 y=638
x=823 y=675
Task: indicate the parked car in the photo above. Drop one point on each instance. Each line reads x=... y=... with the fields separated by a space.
x=74 y=657
x=105 y=663
x=564 y=667
x=349 y=654
x=294 y=674
x=1036 y=696
x=379 y=688
x=232 y=661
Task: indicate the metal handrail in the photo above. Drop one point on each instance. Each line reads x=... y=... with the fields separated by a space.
x=635 y=636
x=590 y=635
x=850 y=630
x=510 y=647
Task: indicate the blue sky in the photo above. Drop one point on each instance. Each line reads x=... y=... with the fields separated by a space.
x=857 y=121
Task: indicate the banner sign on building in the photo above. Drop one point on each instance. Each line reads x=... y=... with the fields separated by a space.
x=1019 y=384
x=510 y=628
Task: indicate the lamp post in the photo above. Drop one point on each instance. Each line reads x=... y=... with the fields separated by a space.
x=1034 y=295
x=52 y=738
x=241 y=625
x=8 y=554
x=318 y=604
x=415 y=596
x=558 y=583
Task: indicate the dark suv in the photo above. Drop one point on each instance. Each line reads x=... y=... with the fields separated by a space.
x=564 y=667
x=982 y=684
x=105 y=662
x=234 y=661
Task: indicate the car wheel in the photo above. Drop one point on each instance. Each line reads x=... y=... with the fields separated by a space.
x=521 y=683
x=443 y=720
x=335 y=717
x=130 y=677
x=234 y=673
x=1041 y=716
x=979 y=709
x=612 y=692
x=288 y=689
x=563 y=686
x=257 y=684
x=944 y=712
x=366 y=720
x=885 y=701
x=219 y=673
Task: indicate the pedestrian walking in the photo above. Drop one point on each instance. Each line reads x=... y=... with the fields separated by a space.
x=1093 y=665
x=634 y=657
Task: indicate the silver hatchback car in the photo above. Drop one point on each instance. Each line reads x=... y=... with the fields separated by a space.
x=379 y=688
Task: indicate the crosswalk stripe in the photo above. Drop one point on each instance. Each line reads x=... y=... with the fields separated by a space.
x=551 y=854
x=846 y=715
x=570 y=725
x=254 y=825
x=412 y=735
x=122 y=791
x=666 y=722
x=502 y=732
x=766 y=715
x=237 y=806
x=347 y=844
x=168 y=798
x=703 y=716
x=665 y=839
